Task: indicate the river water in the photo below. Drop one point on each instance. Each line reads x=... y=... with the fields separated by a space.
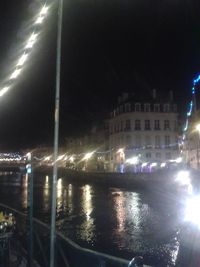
x=118 y=221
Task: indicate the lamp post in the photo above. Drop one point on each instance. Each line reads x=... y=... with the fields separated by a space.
x=56 y=136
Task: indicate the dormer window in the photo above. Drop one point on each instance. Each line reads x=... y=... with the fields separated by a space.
x=127 y=107
x=156 y=107
x=137 y=107
x=147 y=107
x=175 y=108
x=166 y=108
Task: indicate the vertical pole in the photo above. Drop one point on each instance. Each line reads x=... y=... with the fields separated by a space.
x=30 y=210
x=56 y=135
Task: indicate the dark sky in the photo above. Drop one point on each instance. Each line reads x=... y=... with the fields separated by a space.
x=108 y=47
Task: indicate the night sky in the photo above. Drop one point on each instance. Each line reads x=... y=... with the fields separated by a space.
x=108 y=47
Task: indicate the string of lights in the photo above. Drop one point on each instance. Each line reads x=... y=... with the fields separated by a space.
x=26 y=51
x=191 y=105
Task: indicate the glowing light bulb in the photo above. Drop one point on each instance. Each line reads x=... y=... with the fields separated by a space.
x=44 y=10
x=39 y=20
x=15 y=74
x=31 y=40
x=22 y=60
x=3 y=91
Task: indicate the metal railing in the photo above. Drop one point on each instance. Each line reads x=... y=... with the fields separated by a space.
x=67 y=252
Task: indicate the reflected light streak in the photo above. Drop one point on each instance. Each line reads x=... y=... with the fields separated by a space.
x=70 y=190
x=59 y=188
x=25 y=192
x=87 y=227
x=120 y=211
x=87 y=204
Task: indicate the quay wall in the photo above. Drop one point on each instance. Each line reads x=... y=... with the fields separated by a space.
x=133 y=180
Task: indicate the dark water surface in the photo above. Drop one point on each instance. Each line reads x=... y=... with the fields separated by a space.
x=117 y=221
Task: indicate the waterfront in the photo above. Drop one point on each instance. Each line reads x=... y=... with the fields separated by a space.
x=118 y=221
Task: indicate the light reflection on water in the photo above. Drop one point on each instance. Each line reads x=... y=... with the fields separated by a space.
x=87 y=227
x=24 y=191
x=117 y=221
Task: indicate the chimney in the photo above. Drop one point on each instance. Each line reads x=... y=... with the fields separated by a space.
x=154 y=93
x=171 y=96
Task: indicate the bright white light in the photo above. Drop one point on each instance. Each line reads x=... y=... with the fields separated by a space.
x=183 y=178
x=71 y=159
x=120 y=150
x=162 y=165
x=47 y=158
x=133 y=160
x=44 y=10
x=39 y=20
x=60 y=157
x=192 y=210
x=88 y=155
x=154 y=164
x=22 y=60
x=15 y=74
x=144 y=164
x=179 y=160
x=31 y=40
x=4 y=90
x=59 y=183
x=198 y=127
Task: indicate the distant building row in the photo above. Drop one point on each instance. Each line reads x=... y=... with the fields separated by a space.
x=141 y=131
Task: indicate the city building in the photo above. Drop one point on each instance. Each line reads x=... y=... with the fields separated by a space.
x=191 y=141
x=91 y=151
x=143 y=132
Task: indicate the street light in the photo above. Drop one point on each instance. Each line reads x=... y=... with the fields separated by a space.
x=56 y=135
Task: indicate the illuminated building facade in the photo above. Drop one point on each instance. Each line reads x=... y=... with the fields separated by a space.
x=191 y=142
x=143 y=132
